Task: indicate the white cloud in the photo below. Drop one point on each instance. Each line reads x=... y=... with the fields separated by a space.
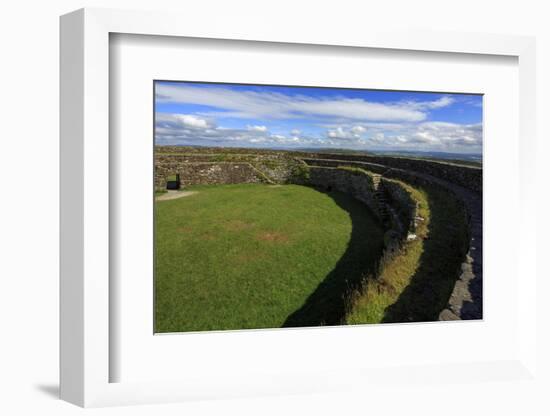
x=191 y=130
x=270 y=105
x=337 y=133
x=183 y=121
x=348 y=133
x=432 y=105
x=257 y=128
x=432 y=135
x=428 y=136
x=193 y=121
x=342 y=134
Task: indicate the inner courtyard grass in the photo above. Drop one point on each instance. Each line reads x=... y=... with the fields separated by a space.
x=258 y=256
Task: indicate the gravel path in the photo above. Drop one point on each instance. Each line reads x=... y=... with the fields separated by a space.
x=174 y=195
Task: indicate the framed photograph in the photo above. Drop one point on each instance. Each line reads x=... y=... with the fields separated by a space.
x=246 y=214
x=314 y=206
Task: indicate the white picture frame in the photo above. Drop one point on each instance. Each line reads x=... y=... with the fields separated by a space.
x=85 y=165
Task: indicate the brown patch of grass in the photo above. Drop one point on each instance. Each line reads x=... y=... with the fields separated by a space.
x=208 y=236
x=238 y=225
x=185 y=229
x=273 y=236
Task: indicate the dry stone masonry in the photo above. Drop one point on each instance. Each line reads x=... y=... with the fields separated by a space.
x=203 y=173
x=388 y=200
x=465 y=176
x=211 y=169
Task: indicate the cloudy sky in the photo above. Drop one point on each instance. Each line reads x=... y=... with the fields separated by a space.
x=234 y=115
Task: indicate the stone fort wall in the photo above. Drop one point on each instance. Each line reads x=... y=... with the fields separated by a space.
x=225 y=169
x=360 y=186
x=377 y=193
x=277 y=167
x=465 y=176
x=203 y=173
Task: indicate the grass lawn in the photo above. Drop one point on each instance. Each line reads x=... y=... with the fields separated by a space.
x=258 y=256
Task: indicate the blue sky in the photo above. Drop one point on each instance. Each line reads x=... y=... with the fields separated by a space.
x=234 y=115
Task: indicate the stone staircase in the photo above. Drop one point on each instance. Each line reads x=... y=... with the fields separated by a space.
x=381 y=199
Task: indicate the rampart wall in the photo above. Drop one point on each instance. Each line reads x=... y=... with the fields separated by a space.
x=389 y=200
x=358 y=185
x=212 y=169
x=465 y=176
x=203 y=173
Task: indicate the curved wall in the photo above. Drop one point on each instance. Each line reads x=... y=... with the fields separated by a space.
x=468 y=177
x=358 y=185
x=379 y=194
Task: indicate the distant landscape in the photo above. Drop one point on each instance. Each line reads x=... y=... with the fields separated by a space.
x=465 y=158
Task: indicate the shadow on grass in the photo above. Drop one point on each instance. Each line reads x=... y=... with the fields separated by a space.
x=440 y=263
x=329 y=303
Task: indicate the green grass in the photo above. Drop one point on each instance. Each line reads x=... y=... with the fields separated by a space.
x=416 y=285
x=257 y=256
